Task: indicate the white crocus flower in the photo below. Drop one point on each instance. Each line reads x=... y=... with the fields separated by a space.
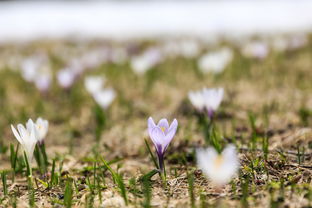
x=219 y=168
x=94 y=84
x=104 y=97
x=197 y=100
x=189 y=48
x=215 y=61
x=146 y=61
x=256 y=49
x=297 y=41
x=43 y=81
x=29 y=68
x=66 y=77
x=207 y=99
x=27 y=137
x=42 y=127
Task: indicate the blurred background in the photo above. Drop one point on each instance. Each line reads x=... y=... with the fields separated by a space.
x=26 y=20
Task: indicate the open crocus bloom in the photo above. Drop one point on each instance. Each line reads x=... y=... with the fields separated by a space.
x=207 y=99
x=161 y=135
x=104 y=97
x=146 y=61
x=27 y=137
x=215 y=61
x=94 y=84
x=42 y=127
x=219 y=168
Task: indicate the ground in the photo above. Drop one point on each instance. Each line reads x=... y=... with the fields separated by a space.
x=276 y=91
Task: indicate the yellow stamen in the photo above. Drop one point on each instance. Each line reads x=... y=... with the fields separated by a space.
x=163 y=129
x=218 y=161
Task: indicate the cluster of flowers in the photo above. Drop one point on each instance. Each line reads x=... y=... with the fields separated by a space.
x=219 y=168
x=38 y=69
x=31 y=135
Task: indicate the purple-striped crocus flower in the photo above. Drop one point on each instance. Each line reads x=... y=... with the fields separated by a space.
x=161 y=135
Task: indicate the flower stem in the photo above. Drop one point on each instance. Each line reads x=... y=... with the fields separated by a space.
x=162 y=169
x=161 y=163
x=29 y=169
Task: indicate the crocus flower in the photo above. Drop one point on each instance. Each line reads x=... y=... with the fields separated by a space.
x=219 y=168
x=104 y=97
x=66 y=78
x=42 y=127
x=29 y=68
x=189 y=48
x=27 y=137
x=94 y=84
x=297 y=41
x=207 y=99
x=161 y=135
x=256 y=49
x=146 y=61
x=215 y=61
x=43 y=82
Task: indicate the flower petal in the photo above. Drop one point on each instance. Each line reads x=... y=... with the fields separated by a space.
x=164 y=125
x=171 y=132
x=16 y=134
x=150 y=125
x=22 y=131
x=158 y=138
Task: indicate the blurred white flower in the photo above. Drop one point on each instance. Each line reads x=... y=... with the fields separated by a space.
x=219 y=168
x=146 y=61
x=104 y=97
x=207 y=99
x=280 y=43
x=42 y=127
x=43 y=81
x=76 y=66
x=189 y=48
x=34 y=65
x=297 y=41
x=94 y=58
x=94 y=84
x=27 y=137
x=29 y=68
x=215 y=61
x=256 y=49
x=66 y=78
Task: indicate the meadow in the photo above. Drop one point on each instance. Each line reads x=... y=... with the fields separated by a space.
x=98 y=151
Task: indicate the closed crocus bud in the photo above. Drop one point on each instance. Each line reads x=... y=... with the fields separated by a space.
x=219 y=168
